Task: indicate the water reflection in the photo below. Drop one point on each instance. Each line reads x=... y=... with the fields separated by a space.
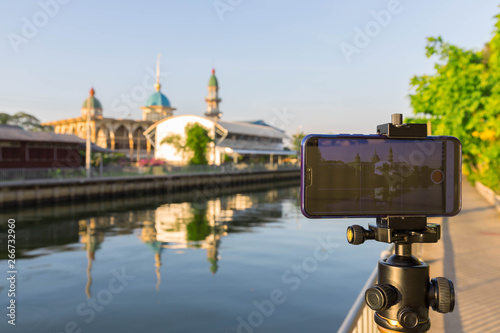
x=174 y=226
x=195 y=266
x=202 y=225
x=91 y=239
x=180 y=226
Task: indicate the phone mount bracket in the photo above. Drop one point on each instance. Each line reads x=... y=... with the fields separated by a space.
x=397 y=130
x=407 y=131
x=404 y=292
x=409 y=230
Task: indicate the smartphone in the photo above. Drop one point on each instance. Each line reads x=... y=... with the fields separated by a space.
x=373 y=176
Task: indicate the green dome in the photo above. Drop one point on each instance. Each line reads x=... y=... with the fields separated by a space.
x=158 y=99
x=94 y=103
x=213 y=80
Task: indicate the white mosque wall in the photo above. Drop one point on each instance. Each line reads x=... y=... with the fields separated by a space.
x=176 y=125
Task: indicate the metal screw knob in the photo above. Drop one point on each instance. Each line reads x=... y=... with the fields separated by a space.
x=380 y=297
x=396 y=118
x=408 y=318
x=356 y=234
x=442 y=297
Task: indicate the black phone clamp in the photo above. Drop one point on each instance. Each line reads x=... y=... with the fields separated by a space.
x=404 y=292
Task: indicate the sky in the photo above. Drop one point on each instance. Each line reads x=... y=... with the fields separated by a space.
x=325 y=66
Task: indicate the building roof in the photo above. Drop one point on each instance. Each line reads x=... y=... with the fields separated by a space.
x=229 y=127
x=103 y=119
x=261 y=122
x=213 y=80
x=158 y=99
x=245 y=128
x=17 y=134
x=94 y=102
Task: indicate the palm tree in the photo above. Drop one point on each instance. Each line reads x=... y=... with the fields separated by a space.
x=297 y=140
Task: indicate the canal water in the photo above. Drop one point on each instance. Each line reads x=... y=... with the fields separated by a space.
x=241 y=261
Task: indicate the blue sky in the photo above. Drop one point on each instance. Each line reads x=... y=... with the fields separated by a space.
x=280 y=61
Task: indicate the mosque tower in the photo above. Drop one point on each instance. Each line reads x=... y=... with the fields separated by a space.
x=213 y=99
x=157 y=106
x=93 y=104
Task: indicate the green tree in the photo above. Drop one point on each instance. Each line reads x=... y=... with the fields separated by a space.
x=462 y=98
x=198 y=228
x=107 y=158
x=25 y=120
x=5 y=118
x=296 y=141
x=195 y=144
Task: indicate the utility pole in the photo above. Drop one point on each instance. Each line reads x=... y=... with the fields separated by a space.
x=88 y=151
x=138 y=148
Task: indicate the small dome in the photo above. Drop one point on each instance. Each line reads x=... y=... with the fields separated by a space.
x=94 y=102
x=213 y=80
x=158 y=99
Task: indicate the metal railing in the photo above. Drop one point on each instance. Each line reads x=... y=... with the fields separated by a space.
x=28 y=174
x=359 y=319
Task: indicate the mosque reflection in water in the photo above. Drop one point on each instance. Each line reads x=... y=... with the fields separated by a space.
x=179 y=226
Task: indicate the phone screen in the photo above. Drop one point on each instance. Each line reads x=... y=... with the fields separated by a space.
x=356 y=176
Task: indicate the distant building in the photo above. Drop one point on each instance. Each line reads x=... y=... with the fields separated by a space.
x=139 y=139
x=236 y=140
x=25 y=149
x=120 y=135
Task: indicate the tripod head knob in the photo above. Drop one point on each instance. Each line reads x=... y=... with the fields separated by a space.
x=442 y=295
x=357 y=235
x=380 y=297
x=408 y=318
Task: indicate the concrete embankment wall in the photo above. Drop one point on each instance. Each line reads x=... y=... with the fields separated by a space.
x=43 y=191
x=489 y=195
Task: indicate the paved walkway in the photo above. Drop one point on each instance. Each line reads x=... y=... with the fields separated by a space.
x=468 y=254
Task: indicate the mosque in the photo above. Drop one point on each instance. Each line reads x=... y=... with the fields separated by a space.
x=139 y=139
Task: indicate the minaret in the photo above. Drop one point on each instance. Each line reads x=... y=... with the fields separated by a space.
x=157 y=106
x=157 y=84
x=213 y=99
x=375 y=158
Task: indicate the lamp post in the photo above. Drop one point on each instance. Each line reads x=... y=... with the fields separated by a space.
x=88 y=147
